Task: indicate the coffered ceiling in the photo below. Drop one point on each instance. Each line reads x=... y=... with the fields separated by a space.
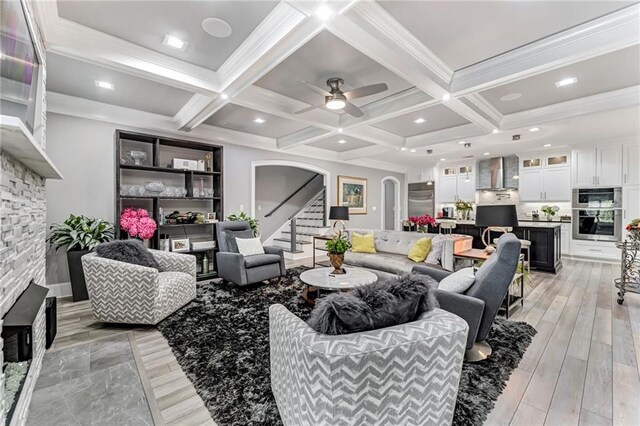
x=448 y=63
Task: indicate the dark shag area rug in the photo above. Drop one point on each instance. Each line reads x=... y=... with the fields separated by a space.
x=221 y=341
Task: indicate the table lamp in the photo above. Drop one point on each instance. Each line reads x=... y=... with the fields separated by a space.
x=338 y=214
x=496 y=218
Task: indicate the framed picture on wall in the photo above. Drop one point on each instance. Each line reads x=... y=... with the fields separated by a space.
x=352 y=193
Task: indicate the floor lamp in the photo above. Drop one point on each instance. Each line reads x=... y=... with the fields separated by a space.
x=495 y=218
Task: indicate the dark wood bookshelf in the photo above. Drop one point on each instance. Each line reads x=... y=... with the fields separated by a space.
x=159 y=149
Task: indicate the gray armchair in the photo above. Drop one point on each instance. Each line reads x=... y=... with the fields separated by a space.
x=479 y=305
x=241 y=270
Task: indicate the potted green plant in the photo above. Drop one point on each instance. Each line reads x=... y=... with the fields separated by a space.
x=80 y=235
x=336 y=249
x=243 y=217
x=549 y=211
x=463 y=208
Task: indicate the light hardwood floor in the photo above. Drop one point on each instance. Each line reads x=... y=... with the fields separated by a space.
x=583 y=366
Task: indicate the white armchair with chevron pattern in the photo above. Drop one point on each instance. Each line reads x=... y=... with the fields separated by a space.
x=131 y=294
x=402 y=375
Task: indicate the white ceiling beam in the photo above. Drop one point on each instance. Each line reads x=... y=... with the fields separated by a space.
x=282 y=32
x=76 y=41
x=367 y=151
x=615 y=99
x=303 y=137
x=273 y=103
x=405 y=102
x=375 y=135
x=483 y=107
x=372 y=30
x=597 y=37
x=445 y=135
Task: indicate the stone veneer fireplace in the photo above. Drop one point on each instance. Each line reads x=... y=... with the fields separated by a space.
x=22 y=257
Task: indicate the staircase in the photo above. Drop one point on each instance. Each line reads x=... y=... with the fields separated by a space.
x=296 y=236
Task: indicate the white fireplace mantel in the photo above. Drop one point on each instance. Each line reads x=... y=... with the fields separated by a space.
x=16 y=140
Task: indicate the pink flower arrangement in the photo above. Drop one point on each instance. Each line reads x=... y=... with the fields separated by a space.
x=137 y=223
x=422 y=220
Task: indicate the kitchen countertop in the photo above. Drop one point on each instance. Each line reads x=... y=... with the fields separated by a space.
x=523 y=223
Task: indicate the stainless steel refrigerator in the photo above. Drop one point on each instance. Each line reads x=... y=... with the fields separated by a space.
x=421 y=199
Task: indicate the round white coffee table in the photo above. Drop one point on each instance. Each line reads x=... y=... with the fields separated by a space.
x=322 y=279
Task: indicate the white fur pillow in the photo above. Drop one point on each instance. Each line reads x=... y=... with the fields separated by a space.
x=459 y=281
x=249 y=246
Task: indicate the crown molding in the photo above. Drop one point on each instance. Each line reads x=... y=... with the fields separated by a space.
x=303 y=137
x=445 y=135
x=482 y=106
x=376 y=136
x=612 y=32
x=615 y=99
x=192 y=108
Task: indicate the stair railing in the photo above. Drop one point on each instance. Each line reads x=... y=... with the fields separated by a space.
x=283 y=202
x=292 y=219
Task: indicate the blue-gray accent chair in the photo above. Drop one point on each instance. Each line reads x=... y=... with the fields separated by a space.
x=241 y=270
x=479 y=305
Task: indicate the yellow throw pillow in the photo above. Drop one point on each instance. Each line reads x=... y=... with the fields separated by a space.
x=362 y=243
x=420 y=250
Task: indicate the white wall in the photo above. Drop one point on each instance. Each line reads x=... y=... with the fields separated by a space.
x=84 y=152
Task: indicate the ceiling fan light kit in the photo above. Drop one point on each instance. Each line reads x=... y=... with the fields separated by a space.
x=335 y=99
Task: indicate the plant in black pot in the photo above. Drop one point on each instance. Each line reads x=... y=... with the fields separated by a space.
x=79 y=234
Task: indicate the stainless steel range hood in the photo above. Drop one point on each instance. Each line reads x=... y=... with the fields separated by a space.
x=498 y=173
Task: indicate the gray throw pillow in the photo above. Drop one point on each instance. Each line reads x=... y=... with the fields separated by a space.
x=383 y=304
x=459 y=281
x=232 y=235
x=129 y=251
x=435 y=254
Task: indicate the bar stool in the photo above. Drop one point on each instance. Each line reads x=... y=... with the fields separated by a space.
x=447 y=226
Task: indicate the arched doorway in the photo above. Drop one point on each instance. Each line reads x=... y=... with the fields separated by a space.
x=390 y=203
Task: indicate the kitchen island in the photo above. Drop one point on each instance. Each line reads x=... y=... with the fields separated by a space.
x=545 y=237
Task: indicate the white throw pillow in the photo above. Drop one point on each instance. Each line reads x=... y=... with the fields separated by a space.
x=249 y=246
x=459 y=281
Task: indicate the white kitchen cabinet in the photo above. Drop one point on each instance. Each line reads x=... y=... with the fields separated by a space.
x=584 y=167
x=630 y=206
x=631 y=164
x=594 y=167
x=609 y=166
x=565 y=238
x=467 y=187
x=546 y=184
x=556 y=184
x=530 y=185
x=448 y=189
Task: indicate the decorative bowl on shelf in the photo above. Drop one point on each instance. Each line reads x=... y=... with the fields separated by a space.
x=155 y=187
x=137 y=157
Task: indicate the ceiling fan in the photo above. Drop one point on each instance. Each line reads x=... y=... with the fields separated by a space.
x=335 y=99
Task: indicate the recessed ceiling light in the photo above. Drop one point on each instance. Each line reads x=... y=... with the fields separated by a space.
x=216 y=27
x=412 y=150
x=105 y=85
x=340 y=130
x=446 y=97
x=495 y=131
x=175 y=42
x=443 y=159
x=419 y=120
x=534 y=129
x=546 y=145
x=259 y=120
x=566 y=82
x=341 y=141
x=324 y=12
x=486 y=153
x=511 y=97
x=224 y=96
x=462 y=142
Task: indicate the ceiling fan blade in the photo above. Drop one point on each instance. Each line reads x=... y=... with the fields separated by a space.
x=316 y=89
x=309 y=108
x=351 y=109
x=363 y=91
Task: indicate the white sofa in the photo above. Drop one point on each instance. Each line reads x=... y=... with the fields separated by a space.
x=393 y=247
